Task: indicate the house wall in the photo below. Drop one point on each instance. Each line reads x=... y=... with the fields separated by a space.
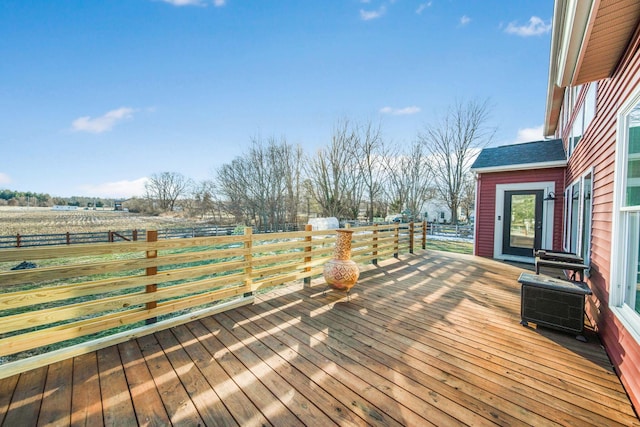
x=597 y=150
x=486 y=209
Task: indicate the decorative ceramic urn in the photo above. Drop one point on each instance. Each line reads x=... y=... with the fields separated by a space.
x=341 y=272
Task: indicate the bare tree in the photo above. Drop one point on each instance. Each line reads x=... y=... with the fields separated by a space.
x=166 y=188
x=231 y=180
x=409 y=177
x=293 y=157
x=368 y=147
x=205 y=200
x=333 y=175
x=468 y=197
x=452 y=142
x=263 y=185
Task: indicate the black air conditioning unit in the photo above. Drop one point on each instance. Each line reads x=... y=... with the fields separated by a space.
x=554 y=303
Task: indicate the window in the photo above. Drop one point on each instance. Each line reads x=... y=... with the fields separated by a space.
x=590 y=105
x=625 y=253
x=584 y=117
x=578 y=208
x=576 y=130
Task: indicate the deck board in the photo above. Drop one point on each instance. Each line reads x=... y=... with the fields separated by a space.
x=428 y=339
x=86 y=403
x=56 y=409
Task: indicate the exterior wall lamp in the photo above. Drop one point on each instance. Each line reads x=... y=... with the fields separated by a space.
x=550 y=196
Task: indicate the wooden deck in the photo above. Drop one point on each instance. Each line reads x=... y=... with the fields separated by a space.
x=430 y=339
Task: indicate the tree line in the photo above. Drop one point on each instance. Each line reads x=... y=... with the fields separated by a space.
x=33 y=199
x=359 y=173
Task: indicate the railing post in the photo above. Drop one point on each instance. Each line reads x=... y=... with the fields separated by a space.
x=375 y=244
x=248 y=244
x=424 y=234
x=18 y=240
x=396 y=242
x=134 y=235
x=68 y=238
x=411 y=231
x=152 y=236
x=307 y=249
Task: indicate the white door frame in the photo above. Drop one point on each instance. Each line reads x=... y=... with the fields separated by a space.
x=547 y=217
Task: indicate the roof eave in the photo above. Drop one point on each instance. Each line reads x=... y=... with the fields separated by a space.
x=570 y=20
x=522 y=166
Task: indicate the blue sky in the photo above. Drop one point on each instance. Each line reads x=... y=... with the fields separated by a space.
x=97 y=95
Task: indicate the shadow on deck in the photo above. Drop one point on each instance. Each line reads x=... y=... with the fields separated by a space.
x=430 y=339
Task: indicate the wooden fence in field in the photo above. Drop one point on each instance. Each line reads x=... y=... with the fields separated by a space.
x=88 y=296
x=72 y=238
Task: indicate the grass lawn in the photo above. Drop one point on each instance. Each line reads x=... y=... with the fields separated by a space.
x=462 y=247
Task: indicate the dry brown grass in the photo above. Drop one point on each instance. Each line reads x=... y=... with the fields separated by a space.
x=14 y=220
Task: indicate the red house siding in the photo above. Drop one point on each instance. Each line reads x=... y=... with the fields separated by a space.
x=597 y=150
x=486 y=210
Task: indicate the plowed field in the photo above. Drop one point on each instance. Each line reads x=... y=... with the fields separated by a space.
x=45 y=221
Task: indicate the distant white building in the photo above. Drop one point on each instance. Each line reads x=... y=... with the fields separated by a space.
x=436 y=211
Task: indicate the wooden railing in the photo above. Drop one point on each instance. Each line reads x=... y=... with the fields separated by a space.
x=84 y=297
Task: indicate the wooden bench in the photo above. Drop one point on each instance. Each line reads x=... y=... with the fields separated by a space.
x=576 y=267
x=558 y=256
x=551 y=302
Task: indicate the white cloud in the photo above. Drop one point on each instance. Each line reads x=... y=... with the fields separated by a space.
x=103 y=123
x=422 y=7
x=400 y=111
x=4 y=179
x=216 y=3
x=529 y=134
x=464 y=20
x=367 y=15
x=115 y=190
x=535 y=27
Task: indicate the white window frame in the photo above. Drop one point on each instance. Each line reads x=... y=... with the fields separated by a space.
x=629 y=318
x=568 y=214
x=586 y=205
x=584 y=117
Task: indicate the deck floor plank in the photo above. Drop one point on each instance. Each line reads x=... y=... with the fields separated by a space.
x=117 y=406
x=86 y=401
x=427 y=339
x=27 y=398
x=56 y=408
x=7 y=387
x=179 y=406
x=144 y=394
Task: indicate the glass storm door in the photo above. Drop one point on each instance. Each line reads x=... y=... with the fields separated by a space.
x=522 y=222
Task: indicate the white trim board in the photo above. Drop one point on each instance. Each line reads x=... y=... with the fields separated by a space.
x=547 y=217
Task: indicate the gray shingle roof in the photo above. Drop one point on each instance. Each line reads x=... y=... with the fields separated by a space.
x=508 y=157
